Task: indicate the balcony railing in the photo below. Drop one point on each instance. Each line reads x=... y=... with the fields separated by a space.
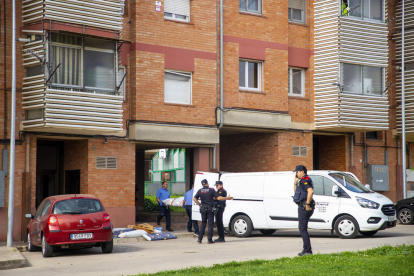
x=105 y=14
x=343 y=39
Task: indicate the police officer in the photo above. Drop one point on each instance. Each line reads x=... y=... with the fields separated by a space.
x=219 y=205
x=303 y=189
x=207 y=196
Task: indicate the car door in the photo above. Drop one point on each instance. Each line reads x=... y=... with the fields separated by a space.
x=34 y=226
x=327 y=205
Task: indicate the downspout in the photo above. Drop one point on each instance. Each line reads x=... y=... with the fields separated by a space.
x=5 y=72
x=221 y=82
x=352 y=150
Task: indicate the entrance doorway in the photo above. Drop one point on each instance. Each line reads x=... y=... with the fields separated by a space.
x=72 y=182
x=49 y=170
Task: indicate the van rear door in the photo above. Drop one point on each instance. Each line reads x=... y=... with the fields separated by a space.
x=211 y=178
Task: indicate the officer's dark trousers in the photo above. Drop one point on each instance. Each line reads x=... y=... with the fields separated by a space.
x=219 y=223
x=165 y=211
x=188 y=209
x=304 y=217
x=207 y=216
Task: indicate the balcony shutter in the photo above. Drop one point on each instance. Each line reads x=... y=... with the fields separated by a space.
x=181 y=7
x=296 y=4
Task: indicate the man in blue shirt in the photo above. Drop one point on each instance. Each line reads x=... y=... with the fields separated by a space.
x=161 y=195
x=188 y=202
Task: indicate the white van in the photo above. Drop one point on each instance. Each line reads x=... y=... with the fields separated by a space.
x=264 y=201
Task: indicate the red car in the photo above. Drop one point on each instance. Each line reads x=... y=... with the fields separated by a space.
x=69 y=221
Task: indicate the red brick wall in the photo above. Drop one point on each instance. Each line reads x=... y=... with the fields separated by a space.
x=332 y=152
x=76 y=158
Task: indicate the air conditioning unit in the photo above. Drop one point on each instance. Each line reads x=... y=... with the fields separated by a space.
x=378 y=177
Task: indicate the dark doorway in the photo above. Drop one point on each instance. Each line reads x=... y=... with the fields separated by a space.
x=49 y=170
x=72 y=182
x=315 y=153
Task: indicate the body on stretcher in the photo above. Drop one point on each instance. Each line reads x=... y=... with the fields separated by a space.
x=174 y=202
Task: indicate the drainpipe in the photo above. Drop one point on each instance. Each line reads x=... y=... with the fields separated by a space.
x=221 y=81
x=352 y=150
x=403 y=152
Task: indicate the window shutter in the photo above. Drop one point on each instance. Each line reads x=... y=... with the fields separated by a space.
x=111 y=163
x=295 y=151
x=100 y=162
x=181 y=7
x=296 y=4
x=303 y=151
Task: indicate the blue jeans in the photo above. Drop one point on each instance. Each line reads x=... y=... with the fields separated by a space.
x=190 y=222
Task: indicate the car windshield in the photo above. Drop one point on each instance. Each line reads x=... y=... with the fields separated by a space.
x=77 y=206
x=350 y=183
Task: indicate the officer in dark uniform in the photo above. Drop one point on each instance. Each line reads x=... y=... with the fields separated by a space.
x=303 y=189
x=207 y=196
x=220 y=205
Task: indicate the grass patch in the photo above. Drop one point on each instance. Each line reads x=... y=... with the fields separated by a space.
x=385 y=260
x=151 y=204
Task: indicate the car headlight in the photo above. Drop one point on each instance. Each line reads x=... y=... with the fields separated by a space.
x=365 y=203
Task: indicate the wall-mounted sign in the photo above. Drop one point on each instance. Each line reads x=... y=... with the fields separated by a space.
x=157 y=6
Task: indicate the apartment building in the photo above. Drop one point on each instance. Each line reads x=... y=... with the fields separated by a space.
x=101 y=82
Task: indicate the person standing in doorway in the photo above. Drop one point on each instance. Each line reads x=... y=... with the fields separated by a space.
x=161 y=195
x=188 y=204
x=303 y=188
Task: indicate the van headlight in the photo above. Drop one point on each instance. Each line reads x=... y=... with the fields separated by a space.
x=365 y=203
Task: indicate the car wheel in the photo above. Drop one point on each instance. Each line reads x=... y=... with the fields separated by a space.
x=47 y=250
x=267 y=232
x=30 y=246
x=368 y=233
x=107 y=247
x=346 y=227
x=242 y=226
x=406 y=216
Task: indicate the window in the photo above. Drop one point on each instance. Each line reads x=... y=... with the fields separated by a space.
x=369 y=9
x=254 y=6
x=177 y=10
x=360 y=79
x=296 y=11
x=299 y=151
x=33 y=114
x=177 y=87
x=296 y=84
x=46 y=208
x=322 y=185
x=372 y=135
x=121 y=81
x=85 y=63
x=34 y=71
x=250 y=75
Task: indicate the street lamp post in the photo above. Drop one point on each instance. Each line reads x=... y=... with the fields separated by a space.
x=403 y=105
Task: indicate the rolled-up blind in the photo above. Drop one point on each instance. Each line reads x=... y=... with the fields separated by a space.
x=181 y=7
x=296 y=4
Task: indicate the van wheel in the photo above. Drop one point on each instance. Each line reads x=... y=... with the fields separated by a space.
x=47 y=250
x=368 y=233
x=346 y=227
x=30 y=246
x=242 y=226
x=267 y=232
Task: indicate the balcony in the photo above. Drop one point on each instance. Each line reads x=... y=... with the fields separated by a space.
x=409 y=68
x=357 y=42
x=105 y=14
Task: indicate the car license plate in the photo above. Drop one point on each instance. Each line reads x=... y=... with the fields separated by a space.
x=391 y=218
x=83 y=236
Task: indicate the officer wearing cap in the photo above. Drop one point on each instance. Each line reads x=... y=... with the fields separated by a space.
x=303 y=188
x=207 y=196
x=220 y=205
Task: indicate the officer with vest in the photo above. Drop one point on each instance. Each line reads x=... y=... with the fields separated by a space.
x=303 y=189
x=207 y=196
x=220 y=205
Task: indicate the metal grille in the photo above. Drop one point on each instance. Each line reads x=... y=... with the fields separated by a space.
x=299 y=151
x=106 y=162
x=388 y=210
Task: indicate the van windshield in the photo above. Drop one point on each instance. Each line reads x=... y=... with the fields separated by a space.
x=350 y=183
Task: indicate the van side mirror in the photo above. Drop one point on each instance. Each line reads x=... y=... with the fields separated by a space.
x=29 y=216
x=335 y=191
x=367 y=186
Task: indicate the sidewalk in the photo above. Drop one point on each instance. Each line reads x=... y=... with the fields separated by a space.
x=10 y=257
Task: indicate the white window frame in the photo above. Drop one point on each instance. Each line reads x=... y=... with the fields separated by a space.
x=260 y=5
x=290 y=76
x=362 y=80
x=303 y=14
x=246 y=76
x=115 y=66
x=182 y=73
x=174 y=15
x=362 y=17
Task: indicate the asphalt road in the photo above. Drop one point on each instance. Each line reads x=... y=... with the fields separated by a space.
x=131 y=259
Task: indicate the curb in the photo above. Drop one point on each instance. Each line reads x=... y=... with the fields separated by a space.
x=11 y=258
